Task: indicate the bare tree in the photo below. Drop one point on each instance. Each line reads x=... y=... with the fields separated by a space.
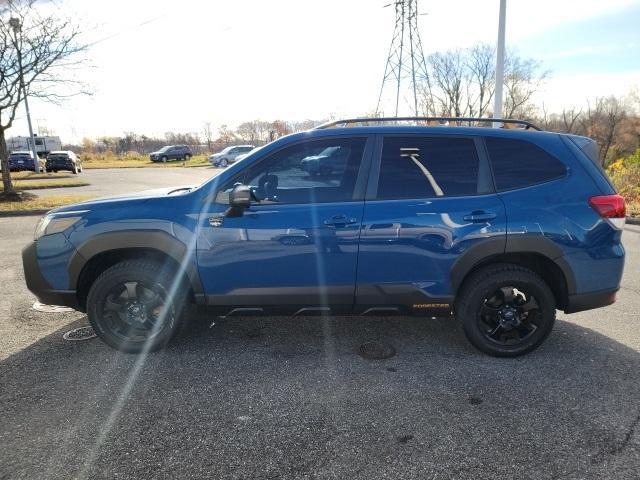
x=522 y=80
x=601 y=122
x=447 y=77
x=463 y=83
x=207 y=133
x=35 y=51
x=481 y=73
x=570 y=119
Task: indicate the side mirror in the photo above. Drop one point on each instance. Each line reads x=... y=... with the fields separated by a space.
x=239 y=201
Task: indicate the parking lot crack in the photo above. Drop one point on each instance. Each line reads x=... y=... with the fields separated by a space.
x=627 y=437
x=617 y=448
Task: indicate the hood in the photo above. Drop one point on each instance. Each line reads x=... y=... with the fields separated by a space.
x=137 y=197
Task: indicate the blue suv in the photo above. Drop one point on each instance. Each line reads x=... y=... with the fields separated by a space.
x=497 y=227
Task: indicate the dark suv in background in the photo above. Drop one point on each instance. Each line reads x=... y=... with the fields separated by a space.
x=63 y=160
x=171 y=152
x=22 y=160
x=498 y=227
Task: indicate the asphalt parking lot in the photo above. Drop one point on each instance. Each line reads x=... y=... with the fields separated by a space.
x=116 y=181
x=291 y=398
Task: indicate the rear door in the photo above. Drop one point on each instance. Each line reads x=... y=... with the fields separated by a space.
x=429 y=201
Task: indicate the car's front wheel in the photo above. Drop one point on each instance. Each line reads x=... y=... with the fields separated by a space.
x=224 y=162
x=136 y=306
x=164 y=159
x=506 y=310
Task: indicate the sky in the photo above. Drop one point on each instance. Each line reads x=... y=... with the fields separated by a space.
x=156 y=66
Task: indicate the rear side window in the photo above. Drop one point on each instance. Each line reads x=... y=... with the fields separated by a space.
x=518 y=163
x=424 y=167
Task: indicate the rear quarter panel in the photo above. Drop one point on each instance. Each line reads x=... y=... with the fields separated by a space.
x=558 y=211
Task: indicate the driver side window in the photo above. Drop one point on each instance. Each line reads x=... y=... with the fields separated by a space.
x=316 y=171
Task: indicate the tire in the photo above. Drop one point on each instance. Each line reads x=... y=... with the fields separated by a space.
x=55 y=171
x=187 y=157
x=75 y=169
x=122 y=301
x=224 y=163
x=506 y=310
x=164 y=159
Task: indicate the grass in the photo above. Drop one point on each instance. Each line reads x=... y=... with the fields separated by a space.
x=138 y=161
x=46 y=183
x=40 y=176
x=40 y=203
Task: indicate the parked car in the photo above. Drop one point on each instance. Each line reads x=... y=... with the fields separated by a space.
x=171 y=152
x=63 y=160
x=330 y=160
x=497 y=227
x=23 y=161
x=229 y=155
x=244 y=155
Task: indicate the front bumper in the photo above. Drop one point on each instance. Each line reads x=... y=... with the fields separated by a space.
x=39 y=286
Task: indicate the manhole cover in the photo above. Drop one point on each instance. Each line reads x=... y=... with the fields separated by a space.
x=78 y=334
x=43 y=307
x=376 y=350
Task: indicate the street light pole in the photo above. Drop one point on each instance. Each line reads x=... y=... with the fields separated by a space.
x=497 y=110
x=17 y=27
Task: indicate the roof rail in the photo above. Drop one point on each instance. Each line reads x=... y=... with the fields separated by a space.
x=523 y=123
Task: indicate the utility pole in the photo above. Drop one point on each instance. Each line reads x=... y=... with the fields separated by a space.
x=31 y=143
x=497 y=110
x=405 y=62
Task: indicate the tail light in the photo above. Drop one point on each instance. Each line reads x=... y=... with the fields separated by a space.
x=610 y=207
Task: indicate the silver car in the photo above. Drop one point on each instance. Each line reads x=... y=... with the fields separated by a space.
x=229 y=155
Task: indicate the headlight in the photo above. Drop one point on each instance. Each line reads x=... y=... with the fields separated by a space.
x=50 y=224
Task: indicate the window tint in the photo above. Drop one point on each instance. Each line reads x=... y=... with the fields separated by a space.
x=423 y=167
x=311 y=172
x=518 y=163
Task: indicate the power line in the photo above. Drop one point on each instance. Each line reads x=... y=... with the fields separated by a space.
x=406 y=65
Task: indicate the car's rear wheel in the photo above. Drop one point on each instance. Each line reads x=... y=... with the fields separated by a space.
x=136 y=306
x=187 y=157
x=506 y=310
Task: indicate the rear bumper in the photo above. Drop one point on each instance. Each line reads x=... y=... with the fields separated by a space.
x=591 y=300
x=39 y=286
x=59 y=165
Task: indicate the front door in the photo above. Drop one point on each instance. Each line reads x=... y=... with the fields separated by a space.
x=295 y=249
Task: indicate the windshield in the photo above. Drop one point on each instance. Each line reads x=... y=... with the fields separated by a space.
x=164 y=149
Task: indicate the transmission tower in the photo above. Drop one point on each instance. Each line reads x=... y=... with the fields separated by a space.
x=406 y=67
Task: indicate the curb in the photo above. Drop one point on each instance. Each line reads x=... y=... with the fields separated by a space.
x=24 y=213
x=633 y=220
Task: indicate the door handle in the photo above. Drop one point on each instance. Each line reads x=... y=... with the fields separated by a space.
x=479 y=216
x=340 y=221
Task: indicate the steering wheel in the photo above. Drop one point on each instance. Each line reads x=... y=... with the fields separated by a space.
x=268 y=187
